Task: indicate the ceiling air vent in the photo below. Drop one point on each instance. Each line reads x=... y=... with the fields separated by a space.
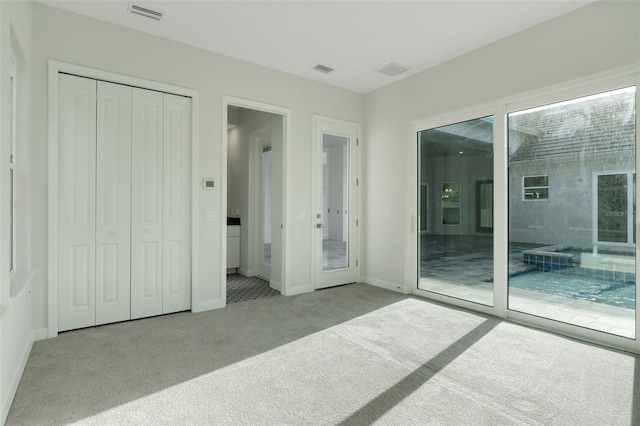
x=323 y=69
x=143 y=11
x=393 y=69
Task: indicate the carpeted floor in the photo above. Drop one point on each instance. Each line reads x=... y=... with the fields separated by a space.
x=241 y=288
x=352 y=355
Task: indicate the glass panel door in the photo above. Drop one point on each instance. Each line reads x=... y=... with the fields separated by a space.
x=335 y=202
x=572 y=212
x=454 y=258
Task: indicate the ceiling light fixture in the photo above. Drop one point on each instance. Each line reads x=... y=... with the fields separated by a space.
x=392 y=69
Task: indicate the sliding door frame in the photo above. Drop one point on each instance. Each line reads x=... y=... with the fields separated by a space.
x=57 y=67
x=629 y=76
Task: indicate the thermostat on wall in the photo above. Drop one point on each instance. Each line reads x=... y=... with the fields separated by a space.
x=209 y=183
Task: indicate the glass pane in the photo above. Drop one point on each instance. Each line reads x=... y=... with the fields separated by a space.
x=612 y=208
x=572 y=258
x=455 y=247
x=536 y=181
x=266 y=204
x=335 y=236
x=536 y=194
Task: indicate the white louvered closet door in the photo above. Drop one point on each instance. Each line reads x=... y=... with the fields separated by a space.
x=76 y=202
x=113 y=203
x=177 y=204
x=146 y=204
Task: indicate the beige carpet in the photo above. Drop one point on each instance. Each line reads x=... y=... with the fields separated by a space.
x=351 y=355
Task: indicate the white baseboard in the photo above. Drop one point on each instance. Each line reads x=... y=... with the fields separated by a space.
x=15 y=380
x=276 y=285
x=247 y=272
x=299 y=290
x=209 y=305
x=399 y=288
x=40 y=334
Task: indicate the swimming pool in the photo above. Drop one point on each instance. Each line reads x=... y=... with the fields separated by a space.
x=582 y=287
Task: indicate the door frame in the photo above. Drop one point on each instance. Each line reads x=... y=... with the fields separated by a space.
x=56 y=67
x=227 y=100
x=354 y=242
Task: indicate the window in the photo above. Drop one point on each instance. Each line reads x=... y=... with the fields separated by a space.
x=536 y=188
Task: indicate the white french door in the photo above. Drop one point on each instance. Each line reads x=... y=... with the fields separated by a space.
x=335 y=202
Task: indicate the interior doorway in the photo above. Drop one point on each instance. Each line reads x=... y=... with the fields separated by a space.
x=255 y=201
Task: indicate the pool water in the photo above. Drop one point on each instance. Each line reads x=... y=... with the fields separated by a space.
x=580 y=287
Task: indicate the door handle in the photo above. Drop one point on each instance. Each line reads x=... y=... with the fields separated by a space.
x=318 y=225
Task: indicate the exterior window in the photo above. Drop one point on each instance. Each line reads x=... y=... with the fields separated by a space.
x=536 y=188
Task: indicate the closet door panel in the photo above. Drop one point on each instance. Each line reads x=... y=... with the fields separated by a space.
x=113 y=203
x=146 y=203
x=76 y=202
x=177 y=204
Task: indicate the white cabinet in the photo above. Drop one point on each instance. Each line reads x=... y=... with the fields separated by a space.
x=124 y=202
x=233 y=248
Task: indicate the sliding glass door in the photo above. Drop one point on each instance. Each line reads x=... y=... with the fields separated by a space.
x=572 y=211
x=455 y=198
x=531 y=214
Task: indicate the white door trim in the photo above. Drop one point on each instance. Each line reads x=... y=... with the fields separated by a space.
x=56 y=67
x=227 y=101
x=357 y=201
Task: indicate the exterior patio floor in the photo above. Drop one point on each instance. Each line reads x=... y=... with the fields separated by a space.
x=467 y=274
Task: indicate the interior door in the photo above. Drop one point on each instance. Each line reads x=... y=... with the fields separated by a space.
x=76 y=201
x=176 y=237
x=113 y=203
x=146 y=204
x=335 y=201
x=264 y=191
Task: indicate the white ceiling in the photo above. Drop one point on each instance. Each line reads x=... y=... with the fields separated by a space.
x=354 y=37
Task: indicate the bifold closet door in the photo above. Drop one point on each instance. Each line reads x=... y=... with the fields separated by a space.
x=161 y=200
x=94 y=167
x=176 y=259
x=76 y=202
x=113 y=203
x=146 y=203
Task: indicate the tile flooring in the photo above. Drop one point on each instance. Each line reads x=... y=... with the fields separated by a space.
x=462 y=267
x=241 y=288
